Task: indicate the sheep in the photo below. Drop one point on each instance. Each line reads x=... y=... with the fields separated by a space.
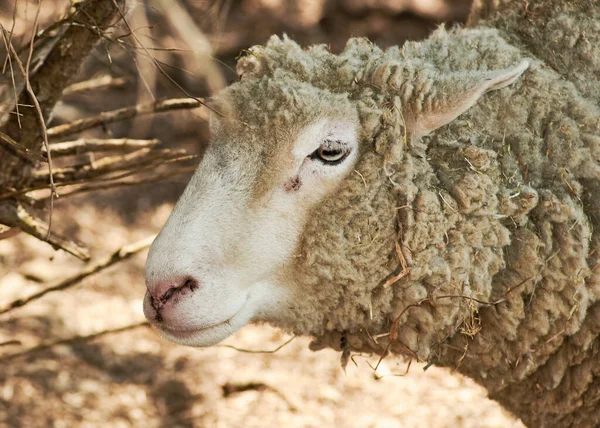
x=438 y=201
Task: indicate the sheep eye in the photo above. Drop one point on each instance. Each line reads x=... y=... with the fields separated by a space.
x=331 y=152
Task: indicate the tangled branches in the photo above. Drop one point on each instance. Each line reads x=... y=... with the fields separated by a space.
x=28 y=145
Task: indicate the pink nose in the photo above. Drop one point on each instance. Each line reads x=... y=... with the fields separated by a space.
x=162 y=292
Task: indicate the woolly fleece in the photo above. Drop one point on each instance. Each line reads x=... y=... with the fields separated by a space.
x=496 y=215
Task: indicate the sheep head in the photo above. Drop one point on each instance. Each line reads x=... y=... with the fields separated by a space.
x=294 y=214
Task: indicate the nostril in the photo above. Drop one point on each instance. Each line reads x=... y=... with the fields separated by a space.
x=189 y=283
x=160 y=293
x=168 y=294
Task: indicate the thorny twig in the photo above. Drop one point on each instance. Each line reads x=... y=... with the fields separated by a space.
x=148 y=78
x=385 y=353
x=121 y=254
x=41 y=119
x=73 y=340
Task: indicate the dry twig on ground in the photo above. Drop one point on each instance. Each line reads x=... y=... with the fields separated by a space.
x=230 y=389
x=73 y=340
x=121 y=254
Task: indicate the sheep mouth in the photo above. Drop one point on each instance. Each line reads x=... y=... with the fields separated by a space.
x=206 y=335
x=200 y=337
x=188 y=333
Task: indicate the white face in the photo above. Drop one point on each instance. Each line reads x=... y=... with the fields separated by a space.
x=216 y=265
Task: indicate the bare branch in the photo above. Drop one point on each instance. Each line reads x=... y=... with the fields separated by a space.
x=96 y=83
x=12 y=70
x=160 y=162
x=14 y=215
x=56 y=63
x=11 y=32
x=114 y=184
x=8 y=232
x=110 y=164
x=107 y=117
x=95 y=145
x=26 y=154
x=72 y=340
x=39 y=112
x=120 y=255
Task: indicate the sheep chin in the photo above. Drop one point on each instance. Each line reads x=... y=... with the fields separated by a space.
x=207 y=336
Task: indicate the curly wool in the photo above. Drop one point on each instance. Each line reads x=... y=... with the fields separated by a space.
x=499 y=206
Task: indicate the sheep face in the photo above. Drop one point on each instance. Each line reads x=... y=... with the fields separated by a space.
x=216 y=264
x=292 y=217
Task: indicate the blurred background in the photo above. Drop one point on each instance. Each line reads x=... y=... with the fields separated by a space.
x=134 y=378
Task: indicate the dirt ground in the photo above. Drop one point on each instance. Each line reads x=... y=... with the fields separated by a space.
x=135 y=378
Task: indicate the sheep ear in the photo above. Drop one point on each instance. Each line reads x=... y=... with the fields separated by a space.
x=453 y=95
